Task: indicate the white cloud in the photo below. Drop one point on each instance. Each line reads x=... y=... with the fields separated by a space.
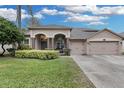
x=49 y=11
x=10 y=13
x=78 y=8
x=117 y=10
x=113 y=10
x=85 y=18
x=55 y=12
x=72 y=16
x=97 y=23
x=81 y=8
x=66 y=13
x=38 y=15
x=24 y=14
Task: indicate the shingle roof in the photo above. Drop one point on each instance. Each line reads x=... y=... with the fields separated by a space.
x=106 y=30
x=82 y=33
x=53 y=26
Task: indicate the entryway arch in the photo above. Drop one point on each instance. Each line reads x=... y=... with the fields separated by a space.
x=60 y=41
x=41 y=41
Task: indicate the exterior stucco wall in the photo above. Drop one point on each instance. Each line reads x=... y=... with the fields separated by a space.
x=50 y=33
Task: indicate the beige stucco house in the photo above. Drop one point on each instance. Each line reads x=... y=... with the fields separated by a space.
x=79 y=40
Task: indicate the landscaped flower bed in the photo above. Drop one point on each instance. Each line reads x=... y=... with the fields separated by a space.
x=38 y=54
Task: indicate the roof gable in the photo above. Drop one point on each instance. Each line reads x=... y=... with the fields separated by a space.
x=93 y=35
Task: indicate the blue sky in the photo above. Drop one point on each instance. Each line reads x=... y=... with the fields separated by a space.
x=95 y=17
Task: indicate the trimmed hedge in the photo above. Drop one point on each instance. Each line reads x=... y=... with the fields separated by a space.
x=11 y=51
x=25 y=47
x=38 y=54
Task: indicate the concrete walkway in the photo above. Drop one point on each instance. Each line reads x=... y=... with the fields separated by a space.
x=103 y=70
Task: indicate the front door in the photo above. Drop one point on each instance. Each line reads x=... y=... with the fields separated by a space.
x=43 y=45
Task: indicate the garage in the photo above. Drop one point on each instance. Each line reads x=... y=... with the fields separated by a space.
x=90 y=42
x=77 y=47
x=104 y=47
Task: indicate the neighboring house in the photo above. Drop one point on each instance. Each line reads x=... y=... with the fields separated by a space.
x=79 y=40
x=6 y=46
x=122 y=34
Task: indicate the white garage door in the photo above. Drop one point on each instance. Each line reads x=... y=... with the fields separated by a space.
x=77 y=47
x=103 y=48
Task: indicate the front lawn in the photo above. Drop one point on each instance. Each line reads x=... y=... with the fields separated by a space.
x=61 y=72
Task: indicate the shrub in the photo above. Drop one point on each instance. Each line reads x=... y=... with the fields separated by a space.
x=49 y=49
x=38 y=54
x=11 y=51
x=25 y=47
x=66 y=52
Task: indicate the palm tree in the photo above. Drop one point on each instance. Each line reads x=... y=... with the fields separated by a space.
x=30 y=12
x=19 y=17
x=33 y=21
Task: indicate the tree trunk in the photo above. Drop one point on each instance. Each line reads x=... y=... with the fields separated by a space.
x=30 y=12
x=2 y=46
x=19 y=20
x=19 y=17
x=19 y=45
x=14 y=45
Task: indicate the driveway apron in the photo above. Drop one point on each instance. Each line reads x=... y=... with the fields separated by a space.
x=105 y=71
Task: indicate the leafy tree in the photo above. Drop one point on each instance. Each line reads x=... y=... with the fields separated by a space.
x=9 y=34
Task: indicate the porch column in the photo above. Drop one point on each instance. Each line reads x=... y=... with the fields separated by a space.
x=52 y=43
x=36 y=43
x=33 y=42
x=67 y=42
x=48 y=43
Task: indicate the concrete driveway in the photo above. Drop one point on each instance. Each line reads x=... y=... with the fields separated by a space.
x=105 y=71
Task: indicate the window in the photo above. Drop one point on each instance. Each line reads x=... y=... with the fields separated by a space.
x=26 y=41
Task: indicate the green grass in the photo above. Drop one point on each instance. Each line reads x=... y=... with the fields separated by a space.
x=61 y=72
